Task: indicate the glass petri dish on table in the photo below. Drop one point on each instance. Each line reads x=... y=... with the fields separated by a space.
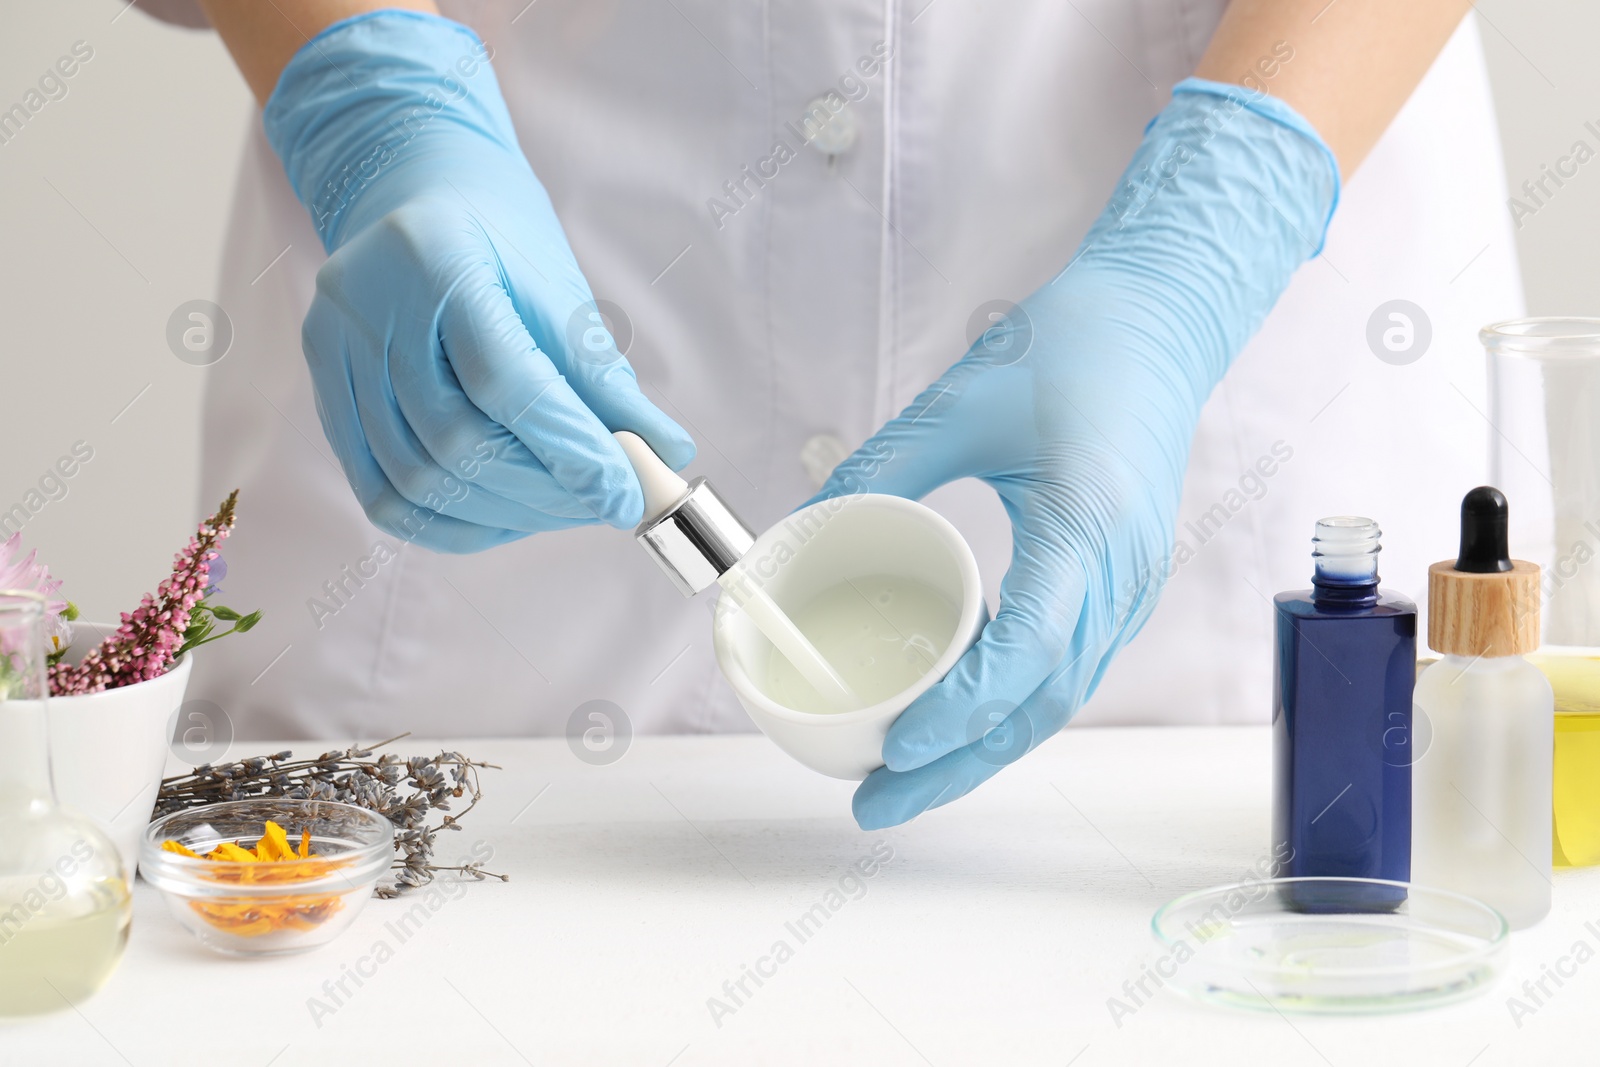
x=1330 y=946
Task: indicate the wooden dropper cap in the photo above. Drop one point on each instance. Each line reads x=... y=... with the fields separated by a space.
x=1483 y=603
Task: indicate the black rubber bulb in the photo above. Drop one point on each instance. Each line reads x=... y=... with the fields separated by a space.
x=1484 y=527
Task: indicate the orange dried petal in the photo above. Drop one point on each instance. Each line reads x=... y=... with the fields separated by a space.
x=305 y=843
x=231 y=853
x=274 y=844
x=173 y=846
x=262 y=925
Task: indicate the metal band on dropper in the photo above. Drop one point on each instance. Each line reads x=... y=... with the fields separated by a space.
x=696 y=538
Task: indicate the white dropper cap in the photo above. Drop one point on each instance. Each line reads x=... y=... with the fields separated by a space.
x=661 y=484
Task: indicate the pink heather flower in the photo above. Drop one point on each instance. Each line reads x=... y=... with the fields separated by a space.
x=23 y=573
x=28 y=576
x=144 y=646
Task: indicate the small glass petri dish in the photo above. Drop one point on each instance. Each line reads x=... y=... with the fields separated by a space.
x=1329 y=946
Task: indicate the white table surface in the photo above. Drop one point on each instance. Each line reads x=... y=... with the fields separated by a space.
x=995 y=935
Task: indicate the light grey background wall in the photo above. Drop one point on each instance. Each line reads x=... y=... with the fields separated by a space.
x=113 y=200
x=1547 y=88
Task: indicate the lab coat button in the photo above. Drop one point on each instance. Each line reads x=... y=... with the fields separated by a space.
x=820 y=454
x=830 y=132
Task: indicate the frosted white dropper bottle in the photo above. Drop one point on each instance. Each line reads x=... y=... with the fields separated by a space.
x=1481 y=789
x=696 y=539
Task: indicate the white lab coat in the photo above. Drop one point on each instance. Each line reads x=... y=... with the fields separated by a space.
x=787 y=325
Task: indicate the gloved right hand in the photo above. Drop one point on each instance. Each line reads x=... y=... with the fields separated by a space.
x=463 y=374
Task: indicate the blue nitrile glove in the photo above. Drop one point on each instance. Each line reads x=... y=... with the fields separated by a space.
x=463 y=374
x=1079 y=410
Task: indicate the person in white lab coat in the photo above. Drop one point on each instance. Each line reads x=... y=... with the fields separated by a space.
x=792 y=219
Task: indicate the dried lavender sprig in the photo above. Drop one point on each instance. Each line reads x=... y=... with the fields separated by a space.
x=351 y=776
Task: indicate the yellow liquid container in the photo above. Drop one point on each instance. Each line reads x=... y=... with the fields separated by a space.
x=1575 y=677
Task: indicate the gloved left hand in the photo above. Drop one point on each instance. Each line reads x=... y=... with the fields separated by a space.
x=1078 y=410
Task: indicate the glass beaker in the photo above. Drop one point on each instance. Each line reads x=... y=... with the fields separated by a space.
x=1544 y=397
x=64 y=903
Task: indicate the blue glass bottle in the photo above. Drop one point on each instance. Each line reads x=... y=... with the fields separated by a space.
x=1341 y=716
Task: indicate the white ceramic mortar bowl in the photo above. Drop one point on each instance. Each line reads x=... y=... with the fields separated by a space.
x=816 y=548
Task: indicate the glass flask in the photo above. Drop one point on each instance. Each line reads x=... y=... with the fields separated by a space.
x=64 y=902
x=1544 y=414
